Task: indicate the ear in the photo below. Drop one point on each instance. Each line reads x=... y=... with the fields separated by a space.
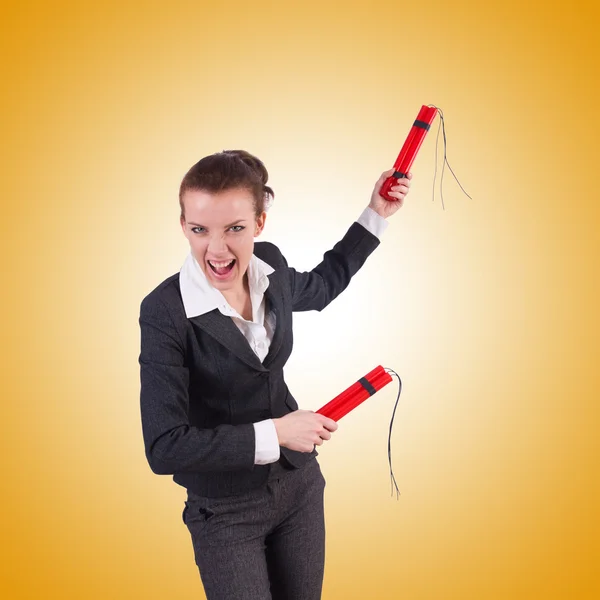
x=260 y=224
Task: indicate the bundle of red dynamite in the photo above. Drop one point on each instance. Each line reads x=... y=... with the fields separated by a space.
x=357 y=393
x=407 y=155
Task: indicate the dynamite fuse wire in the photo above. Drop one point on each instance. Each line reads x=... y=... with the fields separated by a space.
x=392 y=478
x=442 y=126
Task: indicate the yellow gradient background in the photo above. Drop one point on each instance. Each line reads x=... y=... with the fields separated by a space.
x=488 y=309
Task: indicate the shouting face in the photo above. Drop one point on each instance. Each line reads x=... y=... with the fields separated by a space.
x=221 y=228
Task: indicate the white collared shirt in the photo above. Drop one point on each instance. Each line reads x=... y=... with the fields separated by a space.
x=200 y=297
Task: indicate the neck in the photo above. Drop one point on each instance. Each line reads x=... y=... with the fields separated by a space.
x=239 y=293
x=240 y=301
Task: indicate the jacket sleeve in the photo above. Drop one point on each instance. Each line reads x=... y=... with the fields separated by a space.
x=314 y=290
x=171 y=444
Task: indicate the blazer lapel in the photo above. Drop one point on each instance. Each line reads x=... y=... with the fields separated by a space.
x=225 y=331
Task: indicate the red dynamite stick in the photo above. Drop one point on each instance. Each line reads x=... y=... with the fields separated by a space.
x=339 y=408
x=332 y=407
x=357 y=398
x=420 y=132
x=341 y=399
x=356 y=394
x=411 y=146
x=421 y=127
x=357 y=385
x=406 y=150
x=408 y=143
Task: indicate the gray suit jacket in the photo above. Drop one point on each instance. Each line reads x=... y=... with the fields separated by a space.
x=202 y=386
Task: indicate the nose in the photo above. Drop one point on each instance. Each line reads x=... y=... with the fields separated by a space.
x=217 y=245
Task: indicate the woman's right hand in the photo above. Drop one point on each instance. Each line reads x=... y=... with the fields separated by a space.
x=386 y=208
x=301 y=430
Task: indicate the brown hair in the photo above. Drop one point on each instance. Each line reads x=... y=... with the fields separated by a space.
x=227 y=170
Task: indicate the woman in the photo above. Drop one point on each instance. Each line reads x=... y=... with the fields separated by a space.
x=216 y=411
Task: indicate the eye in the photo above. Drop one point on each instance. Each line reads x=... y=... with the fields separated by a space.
x=237 y=228
x=196 y=229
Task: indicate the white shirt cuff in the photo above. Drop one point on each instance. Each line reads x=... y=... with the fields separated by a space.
x=372 y=222
x=267 y=443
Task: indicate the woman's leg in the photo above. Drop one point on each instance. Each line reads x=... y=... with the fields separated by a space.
x=296 y=547
x=228 y=537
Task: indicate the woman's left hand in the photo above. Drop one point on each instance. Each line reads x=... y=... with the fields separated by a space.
x=386 y=208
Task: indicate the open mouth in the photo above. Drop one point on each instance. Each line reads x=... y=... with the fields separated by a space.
x=221 y=268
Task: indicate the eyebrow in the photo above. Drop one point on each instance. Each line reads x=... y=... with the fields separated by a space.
x=226 y=226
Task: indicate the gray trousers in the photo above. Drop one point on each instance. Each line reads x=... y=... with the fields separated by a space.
x=267 y=544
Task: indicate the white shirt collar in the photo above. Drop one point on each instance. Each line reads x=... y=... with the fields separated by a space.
x=200 y=297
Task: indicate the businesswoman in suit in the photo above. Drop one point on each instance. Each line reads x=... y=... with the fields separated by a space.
x=216 y=412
